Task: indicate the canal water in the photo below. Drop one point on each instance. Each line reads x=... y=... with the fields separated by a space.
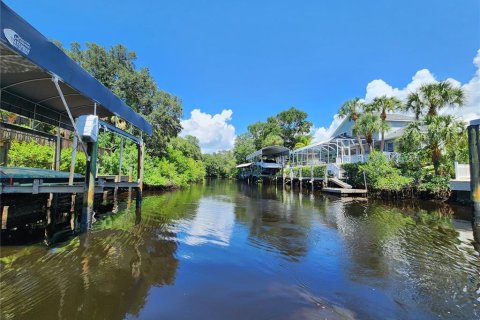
x=226 y=250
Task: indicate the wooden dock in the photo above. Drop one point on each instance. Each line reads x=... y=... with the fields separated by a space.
x=345 y=191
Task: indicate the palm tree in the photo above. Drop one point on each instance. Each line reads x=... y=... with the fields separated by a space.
x=435 y=136
x=432 y=97
x=367 y=124
x=352 y=109
x=303 y=141
x=440 y=132
x=383 y=105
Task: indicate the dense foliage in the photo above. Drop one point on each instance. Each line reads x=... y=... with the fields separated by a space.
x=220 y=164
x=180 y=166
x=170 y=160
x=289 y=128
x=32 y=154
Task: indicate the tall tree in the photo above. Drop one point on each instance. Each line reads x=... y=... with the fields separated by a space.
x=293 y=124
x=272 y=140
x=244 y=145
x=257 y=131
x=367 y=124
x=382 y=105
x=432 y=97
x=115 y=68
x=260 y=131
x=188 y=145
x=352 y=109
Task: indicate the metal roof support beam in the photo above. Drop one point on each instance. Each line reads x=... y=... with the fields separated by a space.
x=108 y=127
x=25 y=81
x=55 y=81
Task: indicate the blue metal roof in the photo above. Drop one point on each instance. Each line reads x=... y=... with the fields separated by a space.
x=30 y=60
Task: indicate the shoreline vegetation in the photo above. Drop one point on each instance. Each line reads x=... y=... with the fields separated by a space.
x=428 y=148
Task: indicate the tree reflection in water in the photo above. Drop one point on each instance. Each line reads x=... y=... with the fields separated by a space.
x=105 y=274
x=229 y=250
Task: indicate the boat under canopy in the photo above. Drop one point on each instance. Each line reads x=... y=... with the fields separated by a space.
x=269 y=165
x=244 y=165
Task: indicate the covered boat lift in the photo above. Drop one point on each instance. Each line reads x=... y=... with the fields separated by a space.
x=265 y=162
x=40 y=82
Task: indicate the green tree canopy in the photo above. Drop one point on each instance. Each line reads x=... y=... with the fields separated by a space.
x=272 y=140
x=382 y=105
x=188 y=145
x=259 y=131
x=432 y=97
x=441 y=139
x=220 y=164
x=367 y=124
x=293 y=124
x=244 y=145
x=352 y=109
x=115 y=68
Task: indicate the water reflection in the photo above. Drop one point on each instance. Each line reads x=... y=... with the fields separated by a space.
x=274 y=221
x=226 y=250
x=105 y=274
x=213 y=223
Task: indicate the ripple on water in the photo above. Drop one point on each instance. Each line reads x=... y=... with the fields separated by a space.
x=229 y=251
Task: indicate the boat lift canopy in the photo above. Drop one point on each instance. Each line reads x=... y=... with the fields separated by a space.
x=37 y=79
x=273 y=151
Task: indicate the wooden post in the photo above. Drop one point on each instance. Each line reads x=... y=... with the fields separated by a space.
x=52 y=203
x=89 y=195
x=119 y=178
x=73 y=218
x=73 y=160
x=474 y=157
x=140 y=157
x=130 y=179
x=58 y=151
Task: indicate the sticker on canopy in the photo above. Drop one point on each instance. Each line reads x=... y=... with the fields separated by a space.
x=17 y=41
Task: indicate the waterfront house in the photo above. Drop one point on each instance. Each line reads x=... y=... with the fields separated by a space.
x=343 y=146
x=397 y=122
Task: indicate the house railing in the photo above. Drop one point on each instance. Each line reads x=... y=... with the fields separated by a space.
x=357 y=158
x=364 y=157
x=462 y=171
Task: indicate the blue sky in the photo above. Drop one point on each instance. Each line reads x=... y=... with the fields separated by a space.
x=257 y=58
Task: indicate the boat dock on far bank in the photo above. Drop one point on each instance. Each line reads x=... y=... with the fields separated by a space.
x=279 y=164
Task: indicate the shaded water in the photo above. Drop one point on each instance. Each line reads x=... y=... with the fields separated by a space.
x=230 y=251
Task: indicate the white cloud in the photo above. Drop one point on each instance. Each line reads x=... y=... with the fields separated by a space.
x=472 y=92
x=214 y=132
x=322 y=133
x=471 y=109
x=378 y=87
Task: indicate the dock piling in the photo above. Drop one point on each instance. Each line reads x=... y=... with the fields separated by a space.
x=474 y=157
x=140 y=157
x=89 y=196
